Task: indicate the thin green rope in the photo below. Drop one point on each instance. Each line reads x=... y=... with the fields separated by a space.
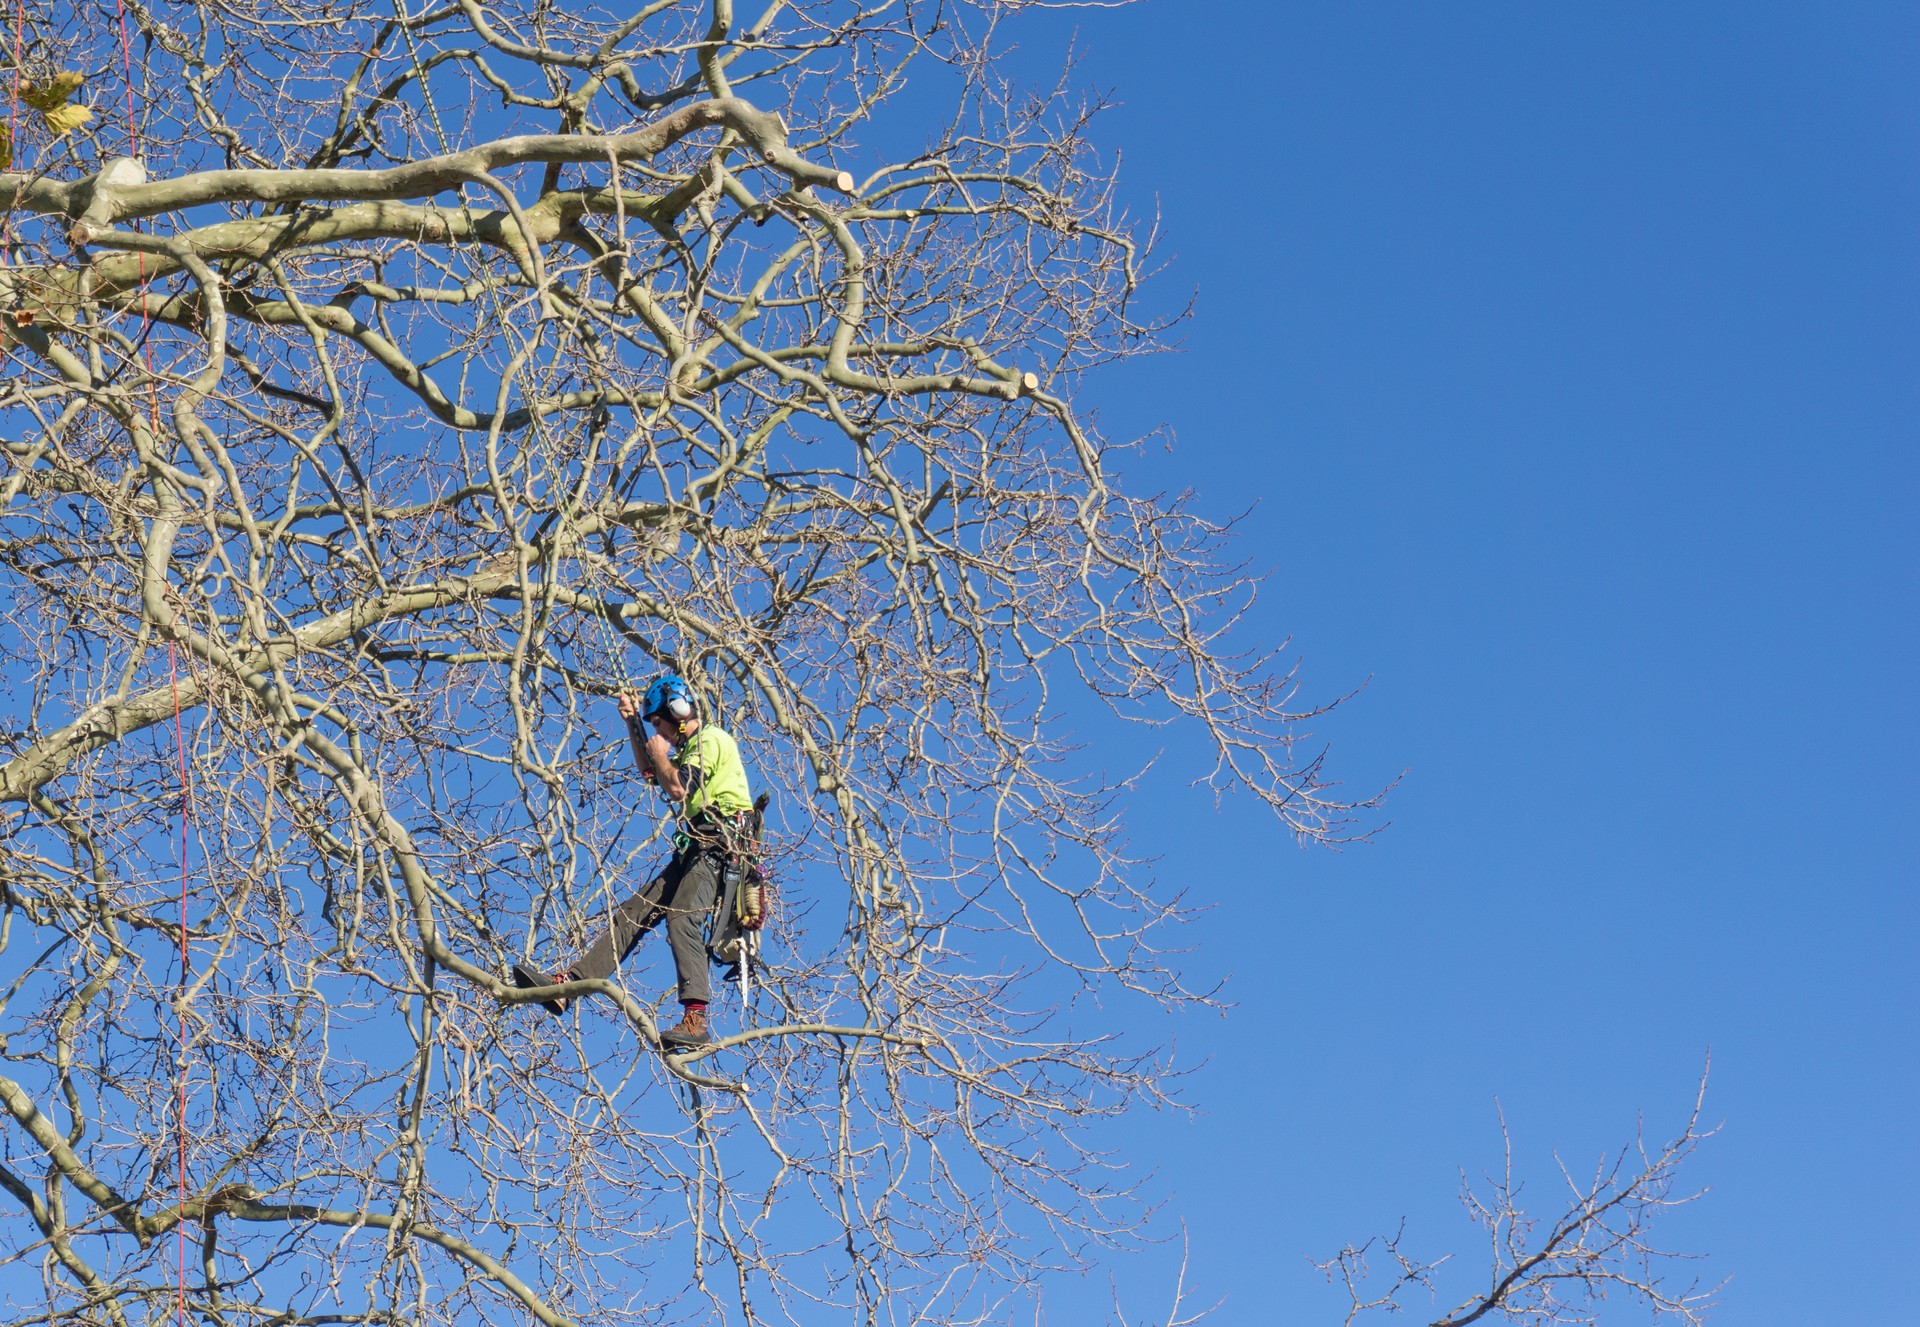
x=614 y=648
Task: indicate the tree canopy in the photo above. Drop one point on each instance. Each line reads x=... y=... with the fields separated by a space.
x=389 y=388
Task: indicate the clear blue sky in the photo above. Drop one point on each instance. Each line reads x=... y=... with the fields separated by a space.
x=1570 y=350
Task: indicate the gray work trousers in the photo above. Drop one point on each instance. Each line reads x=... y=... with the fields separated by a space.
x=683 y=893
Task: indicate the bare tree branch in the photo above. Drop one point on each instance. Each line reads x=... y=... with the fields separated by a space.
x=1557 y=1271
x=395 y=388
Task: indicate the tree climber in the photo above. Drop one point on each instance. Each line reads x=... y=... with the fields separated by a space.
x=697 y=765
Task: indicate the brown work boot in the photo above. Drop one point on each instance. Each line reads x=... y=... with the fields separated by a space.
x=530 y=979
x=691 y=1031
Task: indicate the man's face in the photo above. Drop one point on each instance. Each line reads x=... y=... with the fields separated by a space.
x=666 y=726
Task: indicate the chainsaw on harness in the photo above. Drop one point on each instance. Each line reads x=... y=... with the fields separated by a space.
x=740 y=913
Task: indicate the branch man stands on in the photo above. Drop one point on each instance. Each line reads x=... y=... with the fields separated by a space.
x=697 y=765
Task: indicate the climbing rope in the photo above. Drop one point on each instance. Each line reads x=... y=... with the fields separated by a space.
x=126 y=63
x=133 y=150
x=13 y=119
x=489 y=284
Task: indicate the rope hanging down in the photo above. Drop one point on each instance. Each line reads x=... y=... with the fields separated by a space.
x=13 y=118
x=489 y=284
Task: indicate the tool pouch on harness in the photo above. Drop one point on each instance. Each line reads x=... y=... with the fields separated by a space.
x=742 y=905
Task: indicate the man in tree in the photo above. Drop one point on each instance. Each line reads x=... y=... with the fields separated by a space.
x=697 y=765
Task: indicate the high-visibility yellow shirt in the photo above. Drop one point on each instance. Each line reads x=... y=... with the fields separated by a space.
x=715 y=776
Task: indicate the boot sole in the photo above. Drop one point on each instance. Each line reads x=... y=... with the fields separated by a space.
x=529 y=980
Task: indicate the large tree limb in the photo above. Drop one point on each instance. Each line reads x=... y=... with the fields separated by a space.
x=247 y=1209
x=42 y=1131
x=108 y=721
x=118 y=193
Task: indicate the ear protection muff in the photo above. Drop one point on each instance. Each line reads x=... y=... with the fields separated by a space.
x=669 y=696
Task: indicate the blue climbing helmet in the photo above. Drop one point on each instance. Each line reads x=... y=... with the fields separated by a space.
x=670 y=695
